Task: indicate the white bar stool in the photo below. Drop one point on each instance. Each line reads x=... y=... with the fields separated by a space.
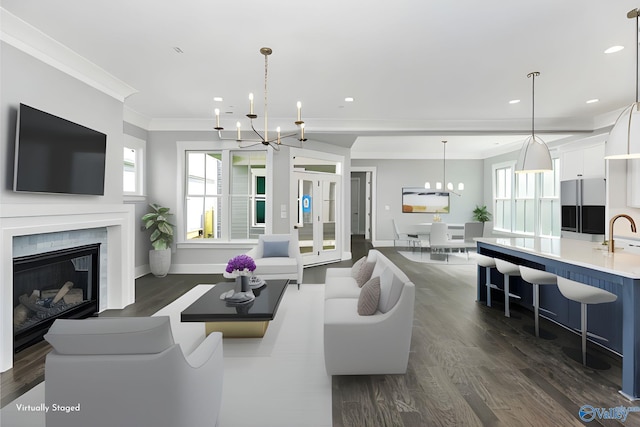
x=537 y=278
x=586 y=294
x=509 y=269
x=488 y=263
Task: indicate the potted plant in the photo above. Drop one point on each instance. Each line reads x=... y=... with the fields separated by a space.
x=161 y=238
x=481 y=214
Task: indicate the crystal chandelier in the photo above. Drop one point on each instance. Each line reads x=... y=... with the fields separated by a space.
x=439 y=184
x=263 y=138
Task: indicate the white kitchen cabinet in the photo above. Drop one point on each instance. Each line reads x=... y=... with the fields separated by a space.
x=585 y=163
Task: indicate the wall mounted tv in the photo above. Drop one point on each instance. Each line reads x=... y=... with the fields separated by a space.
x=419 y=200
x=54 y=155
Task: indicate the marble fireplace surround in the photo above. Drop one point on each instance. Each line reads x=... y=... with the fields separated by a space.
x=31 y=219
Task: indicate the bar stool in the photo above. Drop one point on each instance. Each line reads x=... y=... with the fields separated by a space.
x=585 y=294
x=537 y=278
x=509 y=269
x=488 y=263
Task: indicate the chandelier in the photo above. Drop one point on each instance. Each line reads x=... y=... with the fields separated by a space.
x=624 y=139
x=439 y=184
x=263 y=138
x=534 y=154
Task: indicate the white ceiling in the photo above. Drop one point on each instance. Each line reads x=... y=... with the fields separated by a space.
x=420 y=71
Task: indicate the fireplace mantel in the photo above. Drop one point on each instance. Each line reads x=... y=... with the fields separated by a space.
x=31 y=219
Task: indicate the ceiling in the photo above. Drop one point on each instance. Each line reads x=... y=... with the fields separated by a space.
x=419 y=72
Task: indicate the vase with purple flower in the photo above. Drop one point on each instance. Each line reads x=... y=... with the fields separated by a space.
x=241 y=267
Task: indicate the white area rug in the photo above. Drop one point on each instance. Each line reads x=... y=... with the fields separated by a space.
x=276 y=381
x=454 y=258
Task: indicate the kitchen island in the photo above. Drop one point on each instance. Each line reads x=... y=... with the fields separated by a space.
x=589 y=263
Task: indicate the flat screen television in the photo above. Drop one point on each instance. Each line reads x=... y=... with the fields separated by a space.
x=420 y=200
x=54 y=155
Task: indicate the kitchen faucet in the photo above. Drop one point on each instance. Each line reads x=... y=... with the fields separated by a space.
x=611 y=222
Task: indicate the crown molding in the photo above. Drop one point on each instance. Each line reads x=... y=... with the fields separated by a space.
x=135 y=118
x=30 y=40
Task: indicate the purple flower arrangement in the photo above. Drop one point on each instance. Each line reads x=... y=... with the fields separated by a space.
x=241 y=264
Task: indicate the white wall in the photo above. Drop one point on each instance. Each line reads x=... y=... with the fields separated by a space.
x=164 y=178
x=616 y=179
x=392 y=175
x=24 y=79
x=617 y=200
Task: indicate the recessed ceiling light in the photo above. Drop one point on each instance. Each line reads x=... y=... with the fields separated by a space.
x=177 y=49
x=614 y=49
x=514 y=101
x=348 y=99
x=217 y=99
x=591 y=101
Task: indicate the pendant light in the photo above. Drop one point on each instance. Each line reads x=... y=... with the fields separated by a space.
x=624 y=138
x=534 y=155
x=440 y=184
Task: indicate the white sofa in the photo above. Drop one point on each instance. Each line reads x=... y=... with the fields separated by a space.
x=368 y=345
x=106 y=372
x=278 y=267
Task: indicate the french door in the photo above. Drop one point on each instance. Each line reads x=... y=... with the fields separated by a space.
x=318 y=223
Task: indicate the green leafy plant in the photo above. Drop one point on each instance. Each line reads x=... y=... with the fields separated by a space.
x=158 y=221
x=481 y=214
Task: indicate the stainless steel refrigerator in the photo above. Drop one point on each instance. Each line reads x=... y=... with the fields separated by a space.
x=582 y=204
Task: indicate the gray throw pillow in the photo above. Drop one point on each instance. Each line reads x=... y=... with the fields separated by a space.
x=365 y=273
x=369 y=297
x=279 y=248
x=355 y=270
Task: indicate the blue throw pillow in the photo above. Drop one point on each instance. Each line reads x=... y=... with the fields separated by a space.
x=275 y=249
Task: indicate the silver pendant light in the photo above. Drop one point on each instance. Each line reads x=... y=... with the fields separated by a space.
x=534 y=155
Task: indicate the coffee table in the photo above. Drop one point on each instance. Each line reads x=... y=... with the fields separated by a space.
x=249 y=320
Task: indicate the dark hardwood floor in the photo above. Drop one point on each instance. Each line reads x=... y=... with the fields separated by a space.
x=469 y=365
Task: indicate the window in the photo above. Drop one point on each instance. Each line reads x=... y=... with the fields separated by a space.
x=527 y=203
x=502 y=177
x=133 y=156
x=203 y=195
x=225 y=195
x=549 y=201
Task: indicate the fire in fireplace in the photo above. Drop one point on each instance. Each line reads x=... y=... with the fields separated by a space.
x=52 y=285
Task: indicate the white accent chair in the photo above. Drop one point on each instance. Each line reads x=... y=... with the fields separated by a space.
x=127 y=371
x=273 y=261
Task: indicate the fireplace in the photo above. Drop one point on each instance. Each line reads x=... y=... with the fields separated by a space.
x=52 y=285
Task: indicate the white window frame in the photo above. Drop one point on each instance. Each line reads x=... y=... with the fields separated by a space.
x=513 y=199
x=182 y=147
x=508 y=199
x=255 y=174
x=139 y=145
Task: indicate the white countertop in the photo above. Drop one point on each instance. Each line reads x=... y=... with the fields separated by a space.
x=577 y=252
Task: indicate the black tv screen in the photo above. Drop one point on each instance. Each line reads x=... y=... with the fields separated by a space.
x=54 y=155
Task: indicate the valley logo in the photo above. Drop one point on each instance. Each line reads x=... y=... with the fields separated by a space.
x=588 y=413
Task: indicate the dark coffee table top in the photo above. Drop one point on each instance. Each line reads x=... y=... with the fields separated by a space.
x=210 y=308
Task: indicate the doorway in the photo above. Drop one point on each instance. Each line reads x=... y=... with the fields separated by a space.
x=318 y=207
x=362 y=202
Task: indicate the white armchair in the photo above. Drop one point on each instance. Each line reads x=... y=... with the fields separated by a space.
x=277 y=256
x=128 y=371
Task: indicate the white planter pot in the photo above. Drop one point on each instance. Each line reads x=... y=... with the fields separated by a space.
x=160 y=262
